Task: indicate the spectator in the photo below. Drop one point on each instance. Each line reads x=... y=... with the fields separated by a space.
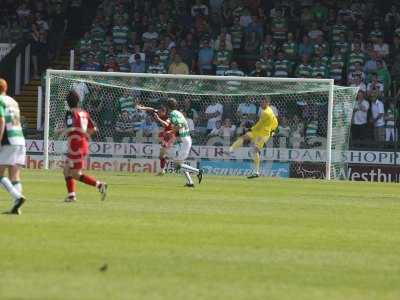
x=148 y=128
x=246 y=111
x=371 y=64
x=391 y=116
x=162 y=25
x=225 y=38
x=256 y=27
x=136 y=50
x=392 y=17
x=120 y=33
x=23 y=11
x=199 y=9
x=283 y=133
x=318 y=56
x=342 y=45
x=228 y=129
x=41 y=22
x=315 y=33
x=377 y=112
x=222 y=59
x=111 y=64
x=217 y=130
x=236 y=32
x=380 y=47
x=126 y=103
x=267 y=62
x=357 y=72
x=137 y=116
x=205 y=60
x=188 y=55
x=190 y=122
x=356 y=56
x=163 y=52
x=156 y=67
x=290 y=47
x=376 y=32
x=150 y=34
x=258 y=71
x=282 y=67
x=92 y=64
x=296 y=139
x=338 y=29
x=251 y=44
x=245 y=17
x=189 y=110
x=178 y=66
x=383 y=76
x=358 y=82
x=360 y=117
x=304 y=69
x=124 y=127
x=234 y=70
x=213 y=113
x=138 y=65
x=279 y=26
x=375 y=85
x=268 y=44
x=319 y=69
x=311 y=133
x=123 y=59
x=306 y=47
x=337 y=66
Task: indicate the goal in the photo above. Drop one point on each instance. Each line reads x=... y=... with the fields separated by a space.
x=314 y=117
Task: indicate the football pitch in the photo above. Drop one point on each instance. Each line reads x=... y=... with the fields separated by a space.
x=228 y=238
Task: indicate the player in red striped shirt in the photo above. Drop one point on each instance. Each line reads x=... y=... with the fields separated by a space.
x=79 y=127
x=167 y=136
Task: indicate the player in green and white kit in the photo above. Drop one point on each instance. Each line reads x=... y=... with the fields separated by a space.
x=12 y=150
x=179 y=124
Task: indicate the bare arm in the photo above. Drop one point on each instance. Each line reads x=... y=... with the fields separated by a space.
x=164 y=123
x=145 y=108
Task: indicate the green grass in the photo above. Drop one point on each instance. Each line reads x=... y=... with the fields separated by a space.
x=227 y=239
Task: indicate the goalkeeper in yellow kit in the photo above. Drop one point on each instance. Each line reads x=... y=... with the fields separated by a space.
x=259 y=134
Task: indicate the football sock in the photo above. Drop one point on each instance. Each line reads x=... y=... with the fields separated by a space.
x=6 y=183
x=256 y=160
x=18 y=186
x=237 y=144
x=188 y=178
x=70 y=186
x=86 y=179
x=162 y=163
x=187 y=168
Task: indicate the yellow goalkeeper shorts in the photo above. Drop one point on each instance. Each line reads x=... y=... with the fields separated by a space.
x=259 y=139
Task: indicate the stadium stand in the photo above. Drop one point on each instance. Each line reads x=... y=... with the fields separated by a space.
x=355 y=42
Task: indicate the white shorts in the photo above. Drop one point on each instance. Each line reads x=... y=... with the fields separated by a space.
x=12 y=155
x=180 y=152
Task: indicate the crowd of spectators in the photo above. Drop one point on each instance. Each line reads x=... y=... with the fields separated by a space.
x=355 y=42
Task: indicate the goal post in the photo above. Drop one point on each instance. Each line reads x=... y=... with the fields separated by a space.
x=315 y=114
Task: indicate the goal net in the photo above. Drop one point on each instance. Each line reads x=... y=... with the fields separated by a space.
x=314 y=120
